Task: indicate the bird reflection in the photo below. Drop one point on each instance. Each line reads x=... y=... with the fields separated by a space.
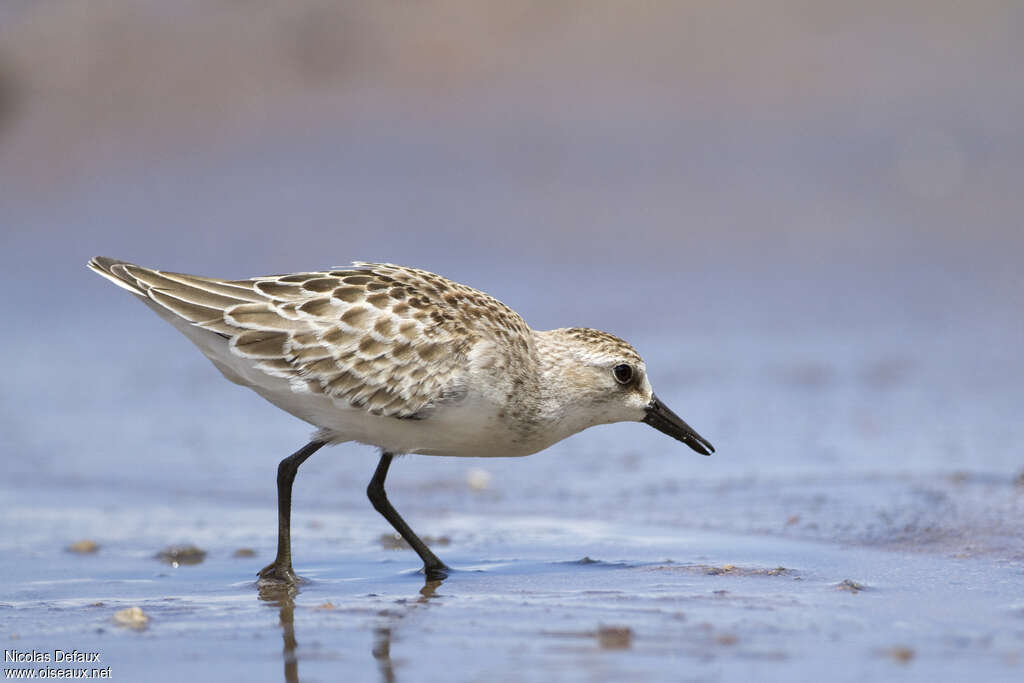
x=382 y=634
x=382 y=653
x=428 y=590
x=283 y=597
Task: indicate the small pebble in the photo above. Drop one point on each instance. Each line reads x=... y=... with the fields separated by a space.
x=176 y=555
x=131 y=617
x=615 y=637
x=850 y=585
x=245 y=552
x=900 y=653
x=478 y=479
x=84 y=547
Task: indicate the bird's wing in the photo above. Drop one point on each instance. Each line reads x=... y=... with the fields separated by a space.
x=391 y=340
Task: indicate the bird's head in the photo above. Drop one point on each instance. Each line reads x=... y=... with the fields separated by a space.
x=602 y=379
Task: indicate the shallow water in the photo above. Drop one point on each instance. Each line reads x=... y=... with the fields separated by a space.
x=531 y=597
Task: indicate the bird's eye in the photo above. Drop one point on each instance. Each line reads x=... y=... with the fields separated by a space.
x=623 y=373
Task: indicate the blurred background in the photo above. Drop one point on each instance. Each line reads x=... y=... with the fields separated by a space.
x=789 y=144
x=806 y=215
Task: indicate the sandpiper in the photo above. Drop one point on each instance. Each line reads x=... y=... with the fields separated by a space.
x=401 y=359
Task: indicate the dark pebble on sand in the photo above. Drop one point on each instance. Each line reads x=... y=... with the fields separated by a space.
x=175 y=555
x=850 y=585
x=615 y=637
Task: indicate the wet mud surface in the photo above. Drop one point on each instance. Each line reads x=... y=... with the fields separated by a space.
x=531 y=595
x=600 y=560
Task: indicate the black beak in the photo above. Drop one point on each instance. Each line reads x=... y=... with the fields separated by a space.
x=664 y=420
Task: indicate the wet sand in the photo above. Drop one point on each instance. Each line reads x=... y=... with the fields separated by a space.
x=531 y=597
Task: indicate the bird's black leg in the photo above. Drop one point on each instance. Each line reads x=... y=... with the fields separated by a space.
x=434 y=568
x=281 y=568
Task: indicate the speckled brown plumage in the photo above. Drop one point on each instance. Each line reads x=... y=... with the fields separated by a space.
x=361 y=336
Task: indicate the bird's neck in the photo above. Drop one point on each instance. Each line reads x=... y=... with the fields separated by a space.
x=558 y=408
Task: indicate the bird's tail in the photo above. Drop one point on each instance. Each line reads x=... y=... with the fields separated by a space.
x=197 y=300
x=117 y=272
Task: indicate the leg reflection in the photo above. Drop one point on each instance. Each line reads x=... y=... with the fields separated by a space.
x=283 y=596
x=382 y=653
x=382 y=634
x=428 y=590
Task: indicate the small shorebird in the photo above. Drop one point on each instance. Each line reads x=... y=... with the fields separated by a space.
x=404 y=360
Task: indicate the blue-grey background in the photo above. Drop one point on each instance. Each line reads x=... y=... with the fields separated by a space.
x=806 y=216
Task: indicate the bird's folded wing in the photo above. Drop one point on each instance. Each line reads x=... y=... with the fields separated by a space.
x=364 y=337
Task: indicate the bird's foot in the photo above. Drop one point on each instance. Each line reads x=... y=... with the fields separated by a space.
x=436 y=572
x=279 y=573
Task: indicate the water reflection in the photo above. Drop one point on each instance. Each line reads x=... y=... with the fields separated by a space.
x=283 y=597
x=382 y=634
x=382 y=653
